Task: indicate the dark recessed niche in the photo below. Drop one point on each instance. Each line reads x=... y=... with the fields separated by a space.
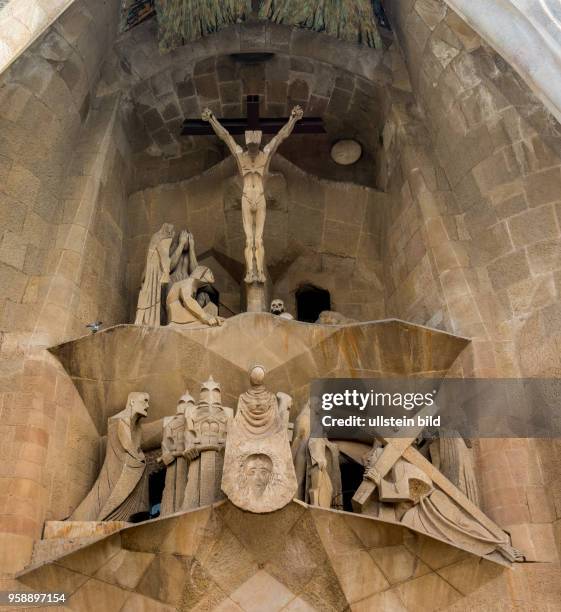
x=251 y=57
x=311 y=301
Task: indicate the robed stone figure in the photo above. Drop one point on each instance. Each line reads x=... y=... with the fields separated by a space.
x=119 y=490
x=164 y=264
x=173 y=448
x=258 y=470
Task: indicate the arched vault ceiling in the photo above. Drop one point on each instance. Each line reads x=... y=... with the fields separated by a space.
x=344 y=84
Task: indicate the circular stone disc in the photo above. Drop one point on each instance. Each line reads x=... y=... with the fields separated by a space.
x=346 y=152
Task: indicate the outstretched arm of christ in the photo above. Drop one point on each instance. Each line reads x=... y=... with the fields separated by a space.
x=295 y=116
x=221 y=132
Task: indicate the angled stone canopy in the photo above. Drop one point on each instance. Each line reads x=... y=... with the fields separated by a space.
x=164 y=361
x=298 y=558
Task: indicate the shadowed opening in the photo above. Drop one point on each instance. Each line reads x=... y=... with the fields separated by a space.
x=311 y=301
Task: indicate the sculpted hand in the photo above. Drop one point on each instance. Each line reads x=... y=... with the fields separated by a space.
x=184 y=237
x=207 y=114
x=297 y=113
x=191 y=453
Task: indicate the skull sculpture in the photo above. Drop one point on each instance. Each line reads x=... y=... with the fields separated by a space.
x=277 y=307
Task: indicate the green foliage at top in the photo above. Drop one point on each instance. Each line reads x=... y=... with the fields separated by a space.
x=350 y=20
x=182 y=21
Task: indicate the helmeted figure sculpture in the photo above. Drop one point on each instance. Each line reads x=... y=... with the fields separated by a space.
x=173 y=448
x=119 y=491
x=205 y=437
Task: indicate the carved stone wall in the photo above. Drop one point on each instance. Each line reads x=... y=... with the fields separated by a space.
x=62 y=174
x=483 y=212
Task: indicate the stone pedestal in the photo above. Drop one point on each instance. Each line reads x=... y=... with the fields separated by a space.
x=256 y=297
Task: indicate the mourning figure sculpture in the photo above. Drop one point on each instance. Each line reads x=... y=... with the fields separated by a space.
x=181 y=303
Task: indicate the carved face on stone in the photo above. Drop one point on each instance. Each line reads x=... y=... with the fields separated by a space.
x=253 y=142
x=139 y=403
x=258 y=471
x=277 y=307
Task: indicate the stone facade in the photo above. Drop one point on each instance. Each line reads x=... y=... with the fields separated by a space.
x=482 y=208
x=451 y=219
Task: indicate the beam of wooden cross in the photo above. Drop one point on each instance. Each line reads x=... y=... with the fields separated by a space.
x=253 y=122
x=397 y=448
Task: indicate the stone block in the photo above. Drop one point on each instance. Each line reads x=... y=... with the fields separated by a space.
x=299 y=90
x=418 y=30
x=469 y=38
x=339 y=102
x=231 y=92
x=13 y=250
x=492 y=172
x=340 y=238
x=125 y=569
x=543 y=187
x=534 y=225
x=432 y=12
x=511 y=206
x=262 y=591
x=22 y=184
x=352 y=211
x=97 y=594
x=545 y=256
x=206 y=66
x=475 y=147
x=429 y=592
x=509 y=269
x=308 y=225
x=12 y=283
x=532 y=294
x=551 y=319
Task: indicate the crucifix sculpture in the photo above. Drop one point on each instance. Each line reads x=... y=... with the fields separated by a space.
x=253 y=165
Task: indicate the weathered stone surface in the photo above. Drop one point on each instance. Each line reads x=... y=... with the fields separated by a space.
x=311 y=351
x=221 y=570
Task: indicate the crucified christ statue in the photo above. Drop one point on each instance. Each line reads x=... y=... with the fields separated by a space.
x=253 y=165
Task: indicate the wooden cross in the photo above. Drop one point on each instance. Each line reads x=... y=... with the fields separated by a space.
x=253 y=122
x=396 y=448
